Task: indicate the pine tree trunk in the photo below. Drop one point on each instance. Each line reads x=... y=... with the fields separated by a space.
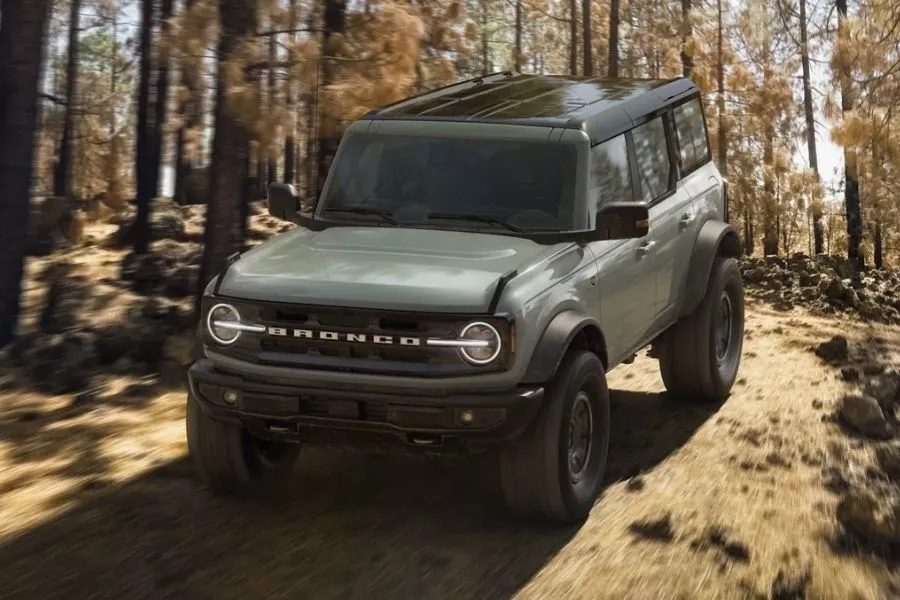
x=517 y=60
x=573 y=37
x=485 y=67
x=271 y=163
x=290 y=142
x=190 y=115
x=851 y=183
x=228 y=168
x=720 y=98
x=62 y=174
x=613 y=66
x=770 y=213
x=160 y=102
x=22 y=34
x=818 y=239
x=878 y=252
x=687 y=60
x=586 y=38
x=329 y=139
x=144 y=137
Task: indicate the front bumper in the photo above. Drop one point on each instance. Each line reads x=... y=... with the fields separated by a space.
x=291 y=412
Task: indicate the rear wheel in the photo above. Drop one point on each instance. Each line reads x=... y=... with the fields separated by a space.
x=229 y=459
x=556 y=469
x=699 y=356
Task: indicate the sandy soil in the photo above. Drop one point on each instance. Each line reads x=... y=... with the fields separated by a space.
x=97 y=500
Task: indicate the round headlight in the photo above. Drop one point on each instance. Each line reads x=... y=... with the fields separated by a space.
x=488 y=345
x=221 y=322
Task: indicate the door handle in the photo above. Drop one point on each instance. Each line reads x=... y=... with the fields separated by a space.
x=644 y=249
x=686 y=219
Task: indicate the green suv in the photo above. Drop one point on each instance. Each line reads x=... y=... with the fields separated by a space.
x=480 y=256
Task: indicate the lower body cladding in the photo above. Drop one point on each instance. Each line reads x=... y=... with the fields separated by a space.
x=298 y=414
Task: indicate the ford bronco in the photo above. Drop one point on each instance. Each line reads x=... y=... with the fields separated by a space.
x=479 y=258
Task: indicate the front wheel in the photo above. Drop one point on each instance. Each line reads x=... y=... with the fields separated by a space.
x=229 y=459
x=556 y=469
x=699 y=355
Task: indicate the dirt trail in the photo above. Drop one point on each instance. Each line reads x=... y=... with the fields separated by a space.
x=703 y=502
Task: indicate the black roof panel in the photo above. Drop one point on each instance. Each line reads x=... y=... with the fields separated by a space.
x=547 y=100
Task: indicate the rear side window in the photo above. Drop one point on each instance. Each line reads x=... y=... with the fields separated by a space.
x=691 y=132
x=610 y=172
x=654 y=166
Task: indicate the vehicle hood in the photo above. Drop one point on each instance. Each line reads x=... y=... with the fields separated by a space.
x=382 y=268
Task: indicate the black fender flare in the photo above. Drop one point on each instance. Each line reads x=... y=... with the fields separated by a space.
x=555 y=341
x=716 y=238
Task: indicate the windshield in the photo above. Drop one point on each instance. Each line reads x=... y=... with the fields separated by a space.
x=450 y=182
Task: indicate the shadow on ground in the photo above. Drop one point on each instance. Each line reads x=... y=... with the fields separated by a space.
x=355 y=526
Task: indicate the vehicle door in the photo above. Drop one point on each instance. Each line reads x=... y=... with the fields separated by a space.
x=680 y=216
x=625 y=268
x=676 y=214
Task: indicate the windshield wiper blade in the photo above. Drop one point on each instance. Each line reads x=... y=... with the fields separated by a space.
x=481 y=218
x=365 y=210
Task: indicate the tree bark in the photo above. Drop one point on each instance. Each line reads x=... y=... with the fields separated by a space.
x=573 y=38
x=687 y=60
x=271 y=163
x=22 y=32
x=818 y=235
x=144 y=136
x=290 y=143
x=851 y=183
x=329 y=139
x=161 y=103
x=62 y=174
x=720 y=97
x=586 y=38
x=191 y=111
x=613 y=67
x=228 y=168
x=517 y=60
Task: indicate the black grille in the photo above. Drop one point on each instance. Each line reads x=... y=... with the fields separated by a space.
x=355 y=340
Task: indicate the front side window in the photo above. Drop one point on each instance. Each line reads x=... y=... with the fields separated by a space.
x=654 y=166
x=479 y=183
x=610 y=173
x=691 y=131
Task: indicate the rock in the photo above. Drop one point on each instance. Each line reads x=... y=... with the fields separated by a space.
x=635 y=484
x=885 y=388
x=146 y=272
x=659 y=529
x=837 y=349
x=889 y=461
x=865 y=415
x=64 y=300
x=791 y=584
x=860 y=514
x=817 y=404
x=183 y=281
x=62 y=363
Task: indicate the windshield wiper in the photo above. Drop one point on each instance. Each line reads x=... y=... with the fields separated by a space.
x=365 y=210
x=481 y=218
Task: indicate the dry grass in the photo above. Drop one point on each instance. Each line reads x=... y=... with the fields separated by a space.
x=100 y=501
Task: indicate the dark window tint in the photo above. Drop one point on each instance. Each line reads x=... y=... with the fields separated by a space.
x=529 y=185
x=654 y=166
x=610 y=172
x=691 y=132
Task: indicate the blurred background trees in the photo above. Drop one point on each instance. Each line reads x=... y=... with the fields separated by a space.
x=112 y=104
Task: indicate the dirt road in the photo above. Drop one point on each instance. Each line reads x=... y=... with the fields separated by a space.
x=703 y=502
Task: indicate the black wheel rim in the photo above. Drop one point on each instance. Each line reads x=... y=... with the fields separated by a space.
x=581 y=429
x=723 y=327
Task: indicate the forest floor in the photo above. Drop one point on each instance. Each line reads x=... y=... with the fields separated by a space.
x=739 y=500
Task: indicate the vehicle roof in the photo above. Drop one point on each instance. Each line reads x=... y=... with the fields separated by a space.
x=601 y=107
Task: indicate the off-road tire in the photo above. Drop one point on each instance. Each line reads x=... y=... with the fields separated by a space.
x=690 y=361
x=230 y=460
x=535 y=470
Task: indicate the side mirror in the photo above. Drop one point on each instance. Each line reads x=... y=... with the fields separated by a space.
x=283 y=202
x=622 y=221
